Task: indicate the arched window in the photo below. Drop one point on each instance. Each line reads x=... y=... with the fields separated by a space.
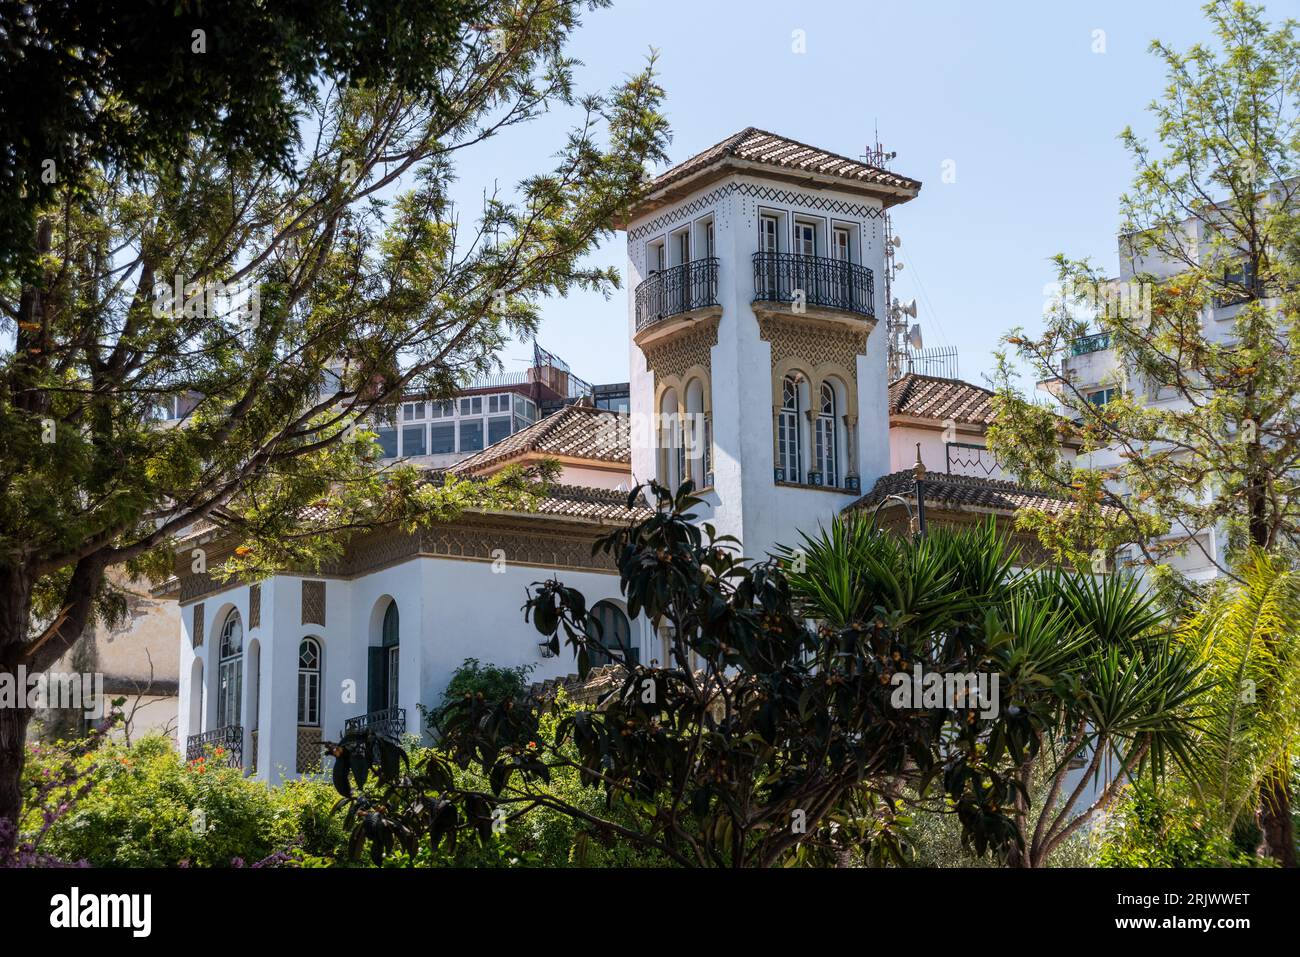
x=826 y=452
x=309 y=682
x=391 y=655
x=788 y=444
x=230 y=670
x=699 y=434
x=672 y=451
x=615 y=634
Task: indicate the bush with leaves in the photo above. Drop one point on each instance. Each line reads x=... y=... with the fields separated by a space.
x=1169 y=827
x=492 y=682
x=143 y=806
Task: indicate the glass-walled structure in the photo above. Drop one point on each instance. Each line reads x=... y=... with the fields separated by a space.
x=456 y=427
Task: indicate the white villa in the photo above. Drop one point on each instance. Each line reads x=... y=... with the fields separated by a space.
x=758 y=270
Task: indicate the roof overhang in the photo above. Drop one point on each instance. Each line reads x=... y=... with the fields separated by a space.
x=727 y=166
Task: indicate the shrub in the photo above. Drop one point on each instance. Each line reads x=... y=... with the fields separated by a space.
x=495 y=682
x=148 y=808
x=1168 y=828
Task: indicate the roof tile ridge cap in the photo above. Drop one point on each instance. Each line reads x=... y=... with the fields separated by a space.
x=847 y=159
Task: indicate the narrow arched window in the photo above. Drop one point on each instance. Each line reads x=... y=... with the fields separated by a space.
x=230 y=670
x=614 y=634
x=826 y=450
x=309 y=682
x=672 y=450
x=392 y=655
x=788 y=431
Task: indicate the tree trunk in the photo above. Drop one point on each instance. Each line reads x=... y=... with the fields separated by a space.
x=13 y=734
x=17 y=649
x=1275 y=819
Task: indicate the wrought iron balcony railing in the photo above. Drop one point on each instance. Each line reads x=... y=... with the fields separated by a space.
x=680 y=289
x=387 y=723
x=1097 y=342
x=828 y=283
x=226 y=744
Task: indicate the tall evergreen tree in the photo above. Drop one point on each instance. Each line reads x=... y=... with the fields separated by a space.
x=277 y=307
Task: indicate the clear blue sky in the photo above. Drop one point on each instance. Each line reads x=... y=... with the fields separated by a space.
x=1011 y=92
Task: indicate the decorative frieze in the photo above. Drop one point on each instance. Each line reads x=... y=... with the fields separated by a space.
x=254 y=606
x=313 y=603
x=814 y=343
x=671 y=358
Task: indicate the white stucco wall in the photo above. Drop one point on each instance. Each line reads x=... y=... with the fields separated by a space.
x=449 y=610
x=746 y=501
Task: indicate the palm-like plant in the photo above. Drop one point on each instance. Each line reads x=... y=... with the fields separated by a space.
x=1247 y=635
x=1088 y=670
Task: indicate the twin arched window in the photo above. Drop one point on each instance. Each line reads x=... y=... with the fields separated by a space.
x=685 y=435
x=821 y=462
x=230 y=670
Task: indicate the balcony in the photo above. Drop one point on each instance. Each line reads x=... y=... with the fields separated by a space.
x=230 y=740
x=830 y=288
x=676 y=297
x=387 y=723
x=1098 y=342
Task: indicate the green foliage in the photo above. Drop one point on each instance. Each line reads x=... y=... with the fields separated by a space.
x=1166 y=827
x=492 y=682
x=148 y=808
x=1085 y=666
x=1213 y=451
x=1247 y=634
x=125 y=83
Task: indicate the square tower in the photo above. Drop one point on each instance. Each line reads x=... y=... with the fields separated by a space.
x=757 y=270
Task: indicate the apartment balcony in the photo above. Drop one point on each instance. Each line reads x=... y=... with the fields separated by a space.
x=676 y=298
x=814 y=286
x=387 y=723
x=226 y=745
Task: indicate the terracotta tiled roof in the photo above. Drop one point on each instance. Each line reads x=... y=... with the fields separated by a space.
x=581 y=501
x=759 y=146
x=963 y=493
x=930 y=397
x=560 y=501
x=576 y=431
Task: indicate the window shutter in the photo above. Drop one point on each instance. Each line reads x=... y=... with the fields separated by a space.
x=254 y=606
x=375 y=680
x=196 y=629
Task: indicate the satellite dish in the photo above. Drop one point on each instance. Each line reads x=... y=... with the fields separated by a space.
x=896 y=241
x=909 y=309
x=914 y=335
